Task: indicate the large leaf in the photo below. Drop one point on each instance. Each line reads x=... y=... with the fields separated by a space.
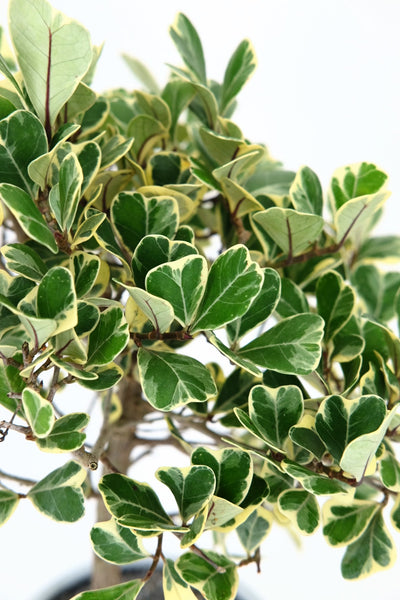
x=372 y=552
x=182 y=284
x=59 y=495
x=233 y=282
x=216 y=579
x=291 y=346
x=135 y=216
x=116 y=544
x=275 y=411
x=189 y=46
x=56 y=299
x=40 y=36
x=134 y=504
x=170 y=379
x=38 y=411
x=291 y=230
x=346 y=521
x=192 y=487
x=122 y=591
x=22 y=139
x=241 y=65
x=28 y=215
x=109 y=337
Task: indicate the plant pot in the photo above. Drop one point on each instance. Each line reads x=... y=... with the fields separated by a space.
x=152 y=591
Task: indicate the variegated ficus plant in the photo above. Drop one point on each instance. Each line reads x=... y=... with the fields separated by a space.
x=135 y=222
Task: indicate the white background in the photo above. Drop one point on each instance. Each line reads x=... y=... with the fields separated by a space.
x=326 y=93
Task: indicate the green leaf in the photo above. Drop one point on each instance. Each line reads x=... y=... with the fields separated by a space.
x=59 y=495
x=173 y=585
x=178 y=95
x=293 y=231
x=340 y=421
x=390 y=472
x=352 y=181
x=292 y=300
x=28 y=215
x=232 y=468
x=109 y=337
x=157 y=310
x=354 y=219
x=114 y=149
x=122 y=591
x=116 y=544
x=306 y=192
x=107 y=376
x=291 y=346
x=320 y=485
x=335 y=302
x=56 y=299
x=135 y=216
x=105 y=237
x=233 y=357
x=189 y=46
x=147 y=133
x=182 y=284
x=65 y=195
x=24 y=260
x=301 y=508
x=170 y=379
x=260 y=309
x=22 y=139
x=216 y=578
x=66 y=434
x=134 y=504
x=275 y=411
x=255 y=529
x=373 y=551
x=234 y=391
x=8 y=503
x=142 y=73
x=384 y=247
x=40 y=36
x=192 y=487
x=233 y=282
x=87 y=228
x=154 y=250
x=345 y=521
x=85 y=269
x=307 y=438
x=378 y=291
x=38 y=411
x=241 y=65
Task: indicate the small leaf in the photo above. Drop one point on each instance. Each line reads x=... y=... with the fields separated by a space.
x=122 y=591
x=215 y=578
x=372 y=552
x=39 y=412
x=59 y=495
x=28 y=215
x=291 y=346
x=241 y=65
x=134 y=504
x=301 y=508
x=173 y=585
x=135 y=216
x=56 y=299
x=352 y=181
x=65 y=195
x=189 y=46
x=355 y=219
x=320 y=485
x=107 y=376
x=170 y=379
x=275 y=411
x=233 y=282
x=390 y=472
x=306 y=192
x=157 y=310
x=116 y=544
x=192 y=487
x=233 y=357
x=24 y=260
x=8 y=503
x=109 y=337
x=66 y=434
x=335 y=302
x=142 y=73
x=254 y=530
x=292 y=300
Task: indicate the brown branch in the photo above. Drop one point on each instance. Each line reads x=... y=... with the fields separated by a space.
x=156 y=558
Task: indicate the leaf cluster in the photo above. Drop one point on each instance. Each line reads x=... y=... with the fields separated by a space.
x=135 y=222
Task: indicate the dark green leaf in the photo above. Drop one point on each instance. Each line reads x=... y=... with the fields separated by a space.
x=116 y=544
x=306 y=192
x=189 y=46
x=66 y=434
x=109 y=337
x=346 y=521
x=301 y=508
x=56 y=299
x=355 y=180
x=215 y=578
